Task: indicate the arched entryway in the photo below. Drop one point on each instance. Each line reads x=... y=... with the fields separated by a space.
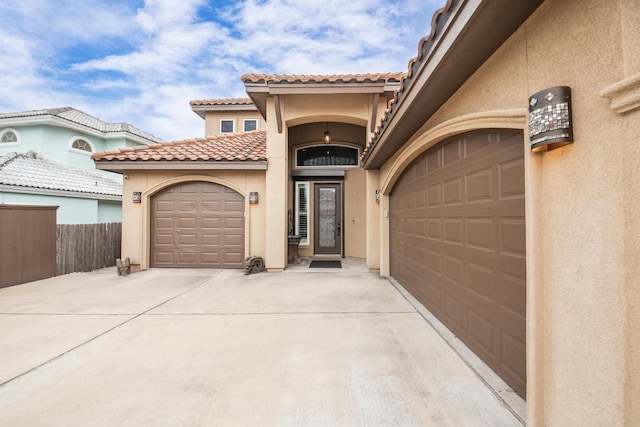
x=197 y=224
x=457 y=243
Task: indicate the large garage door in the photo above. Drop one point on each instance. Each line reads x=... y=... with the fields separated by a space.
x=197 y=224
x=458 y=243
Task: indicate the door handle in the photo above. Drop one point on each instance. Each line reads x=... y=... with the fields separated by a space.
x=338 y=229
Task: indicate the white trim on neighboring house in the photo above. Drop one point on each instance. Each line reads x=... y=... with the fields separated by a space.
x=244 y=125
x=233 y=122
x=10 y=144
x=61 y=193
x=76 y=150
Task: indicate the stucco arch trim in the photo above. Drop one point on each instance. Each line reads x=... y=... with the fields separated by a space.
x=303 y=120
x=515 y=118
x=146 y=207
x=189 y=178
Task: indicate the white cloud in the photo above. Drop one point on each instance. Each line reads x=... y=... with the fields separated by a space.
x=173 y=56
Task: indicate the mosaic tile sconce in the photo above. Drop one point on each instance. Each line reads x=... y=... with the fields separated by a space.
x=550 y=124
x=253 y=197
x=137 y=197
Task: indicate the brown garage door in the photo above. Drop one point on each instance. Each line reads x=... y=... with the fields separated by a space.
x=197 y=224
x=458 y=243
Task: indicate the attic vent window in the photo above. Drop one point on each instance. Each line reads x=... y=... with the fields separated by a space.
x=8 y=137
x=82 y=145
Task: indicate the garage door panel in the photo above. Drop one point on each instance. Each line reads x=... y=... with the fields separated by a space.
x=233 y=223
x=473 y=275
x=164 y=206
x=513 y=355
x=164 y=223
x=452 y=191
x=453 y=231
x=213 y=206
x=454 y=311
x=191 y=227
x=480 y=233
x=452 y=152
x=482 y=331
x=481 y=280
x=512 y=233
x=511 y=178
x=479 y=186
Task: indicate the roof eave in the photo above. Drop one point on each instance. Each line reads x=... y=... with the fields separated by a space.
x=38 y=191
x=202 y=110
x=118 y=166
x=472 y=32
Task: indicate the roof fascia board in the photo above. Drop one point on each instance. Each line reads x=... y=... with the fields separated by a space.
x=121 y=165
x=325 y=88
x=442 y=45
x=61 y=193
x=63 y=123
x=458 y=51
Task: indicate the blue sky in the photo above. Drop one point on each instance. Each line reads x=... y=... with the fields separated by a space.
x=141 y=62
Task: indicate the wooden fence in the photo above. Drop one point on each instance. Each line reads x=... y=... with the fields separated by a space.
x=86 y=247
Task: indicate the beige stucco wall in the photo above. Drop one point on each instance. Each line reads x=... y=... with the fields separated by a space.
x=583 y=232
x=135 y=216
x=212 y=120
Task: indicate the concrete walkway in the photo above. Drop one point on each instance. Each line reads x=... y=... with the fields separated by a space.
x=213 y=347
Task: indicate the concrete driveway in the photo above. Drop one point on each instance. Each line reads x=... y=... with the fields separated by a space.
x=214 y=347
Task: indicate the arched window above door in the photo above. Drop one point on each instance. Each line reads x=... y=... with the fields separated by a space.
x=327 y=156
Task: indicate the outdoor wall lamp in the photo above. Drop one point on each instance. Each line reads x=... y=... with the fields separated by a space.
x=377 y=196
x=253 y=197
x=137 y=197
x=327 y=135
x=550 y=124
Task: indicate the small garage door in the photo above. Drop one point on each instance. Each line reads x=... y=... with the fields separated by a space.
x=197 y=224
x=458 y=243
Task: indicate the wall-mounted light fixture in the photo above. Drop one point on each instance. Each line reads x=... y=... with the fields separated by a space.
x=550 y=124
x=327 y=135
x=137 y=197
x=253 y=197
x=377 y=196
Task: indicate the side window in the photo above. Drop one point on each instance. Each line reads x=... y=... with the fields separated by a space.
x=302 y=212
x=250 y=124
x=9 y=136
x=227 y=126
x=82 y=144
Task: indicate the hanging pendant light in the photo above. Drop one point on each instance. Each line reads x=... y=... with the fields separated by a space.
x=327 y=135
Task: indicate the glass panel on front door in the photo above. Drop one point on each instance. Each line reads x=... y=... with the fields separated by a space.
x=327 y=211
x=327 y=219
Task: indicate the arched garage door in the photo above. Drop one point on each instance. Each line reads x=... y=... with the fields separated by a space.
x=197 y=224
x=458 y=243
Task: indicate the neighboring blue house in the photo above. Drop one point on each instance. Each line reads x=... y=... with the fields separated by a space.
x=84 y=197
x=54 y=145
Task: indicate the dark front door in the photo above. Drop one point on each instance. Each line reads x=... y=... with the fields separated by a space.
x=328 y=219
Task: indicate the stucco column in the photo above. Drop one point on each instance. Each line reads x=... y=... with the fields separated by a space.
x=134 y=223
x=373 y=219
x=276 y=194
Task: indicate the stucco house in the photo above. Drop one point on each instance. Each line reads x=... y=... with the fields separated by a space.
x=496 y=180
x=52 y=145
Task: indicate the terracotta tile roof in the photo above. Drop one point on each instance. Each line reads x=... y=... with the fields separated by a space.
x=31 y=170
x=424 y=47
x=315 y=78
x=222 y=101
x=73 y=115
x=247 y=147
